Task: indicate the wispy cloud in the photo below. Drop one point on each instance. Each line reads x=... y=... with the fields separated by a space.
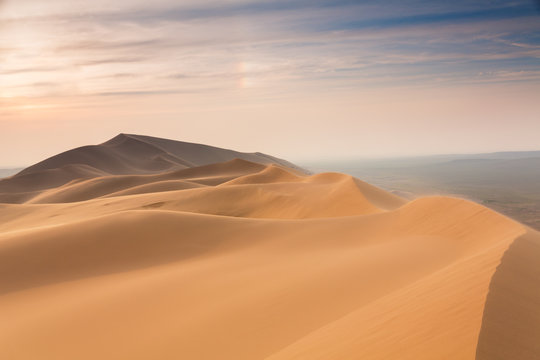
x=268 y=44
x=116 y=60
x=141 y=93
x=108 y=45
x=17 y=71
x=452 y=17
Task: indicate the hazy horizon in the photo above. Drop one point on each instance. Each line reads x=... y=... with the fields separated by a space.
x=300 y=80
x=314 y=160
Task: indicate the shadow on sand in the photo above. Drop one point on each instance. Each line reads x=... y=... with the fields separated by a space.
x=511 y=321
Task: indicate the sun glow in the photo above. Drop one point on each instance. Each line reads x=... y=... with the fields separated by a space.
x=246 y=74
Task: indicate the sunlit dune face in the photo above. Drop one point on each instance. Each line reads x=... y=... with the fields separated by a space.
x=242 y=260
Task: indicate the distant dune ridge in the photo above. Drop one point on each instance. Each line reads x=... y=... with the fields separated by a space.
x=123 y=154
x=147 y=248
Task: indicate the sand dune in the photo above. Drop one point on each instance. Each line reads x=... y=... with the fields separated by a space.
x=246 y=259
x=124 y=154
x=78 y=190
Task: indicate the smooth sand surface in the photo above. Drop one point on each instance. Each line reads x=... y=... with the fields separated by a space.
x=242 y=260
x=125 y=154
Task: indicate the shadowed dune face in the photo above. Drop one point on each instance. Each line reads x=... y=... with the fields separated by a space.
x=512 y=303
x=249 y=260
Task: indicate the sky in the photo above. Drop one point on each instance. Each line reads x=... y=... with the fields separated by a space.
x=299 y=79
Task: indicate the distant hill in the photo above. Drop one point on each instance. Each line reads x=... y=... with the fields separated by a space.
x=125 y=154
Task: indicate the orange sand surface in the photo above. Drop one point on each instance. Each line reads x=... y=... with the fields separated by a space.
x=248 y=259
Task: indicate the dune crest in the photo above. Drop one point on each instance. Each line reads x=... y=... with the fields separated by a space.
x=125 y=154
x=150 y=249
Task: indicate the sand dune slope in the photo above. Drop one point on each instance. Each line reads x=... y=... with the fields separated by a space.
x=125 y=154
x=78 y=190
x=511 y=320
x=241 y=260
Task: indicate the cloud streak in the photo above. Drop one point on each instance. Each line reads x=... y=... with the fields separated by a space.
x=19 y=71
x=271 y=44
